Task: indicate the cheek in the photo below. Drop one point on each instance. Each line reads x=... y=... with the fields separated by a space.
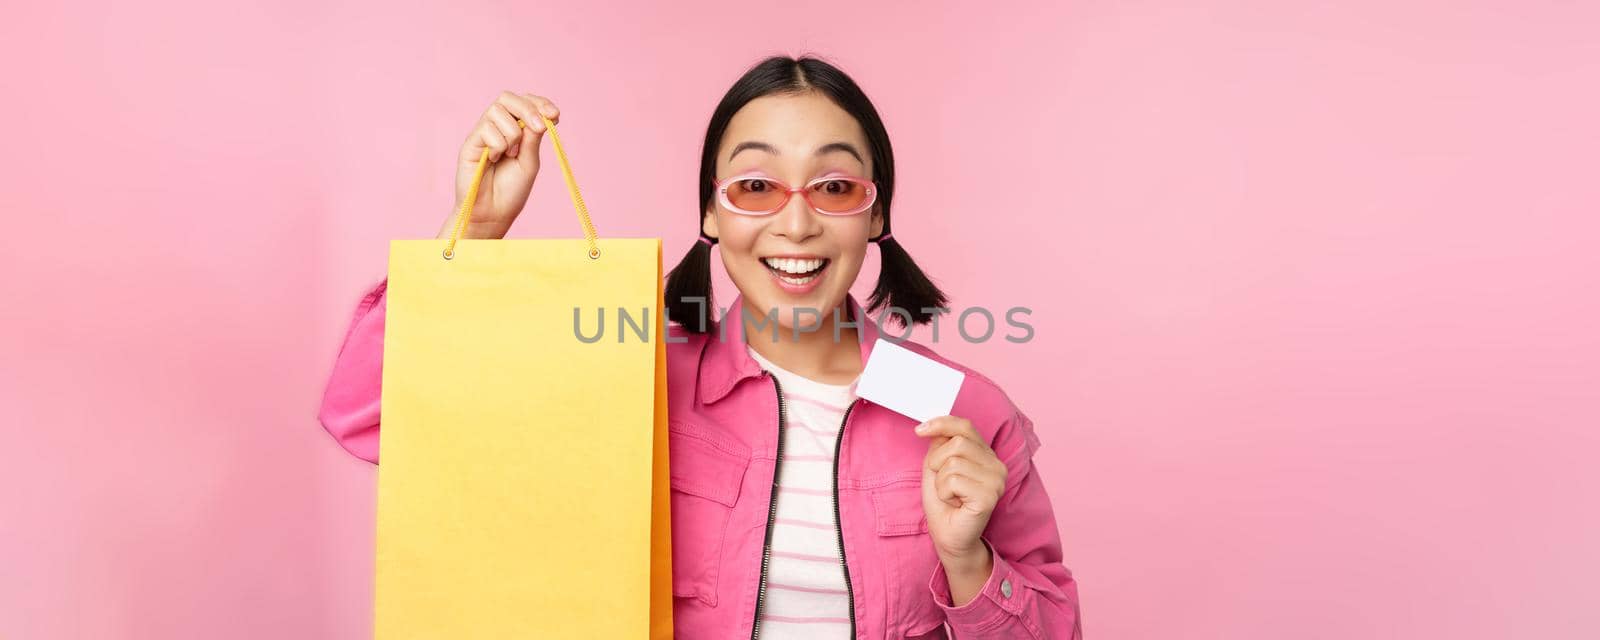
x=737 y=238
x=848 y=267
x=851 y=236
x=736 y=245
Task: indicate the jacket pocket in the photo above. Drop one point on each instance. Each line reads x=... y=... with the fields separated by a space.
x=707 y=474
x=902 y=528
x=899 y=508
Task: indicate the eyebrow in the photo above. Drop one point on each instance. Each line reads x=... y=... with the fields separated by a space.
x=824 y=149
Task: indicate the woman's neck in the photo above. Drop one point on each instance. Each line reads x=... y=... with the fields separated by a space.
x=811 y=354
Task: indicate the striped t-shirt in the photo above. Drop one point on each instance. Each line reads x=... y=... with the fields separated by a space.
x=806 y=596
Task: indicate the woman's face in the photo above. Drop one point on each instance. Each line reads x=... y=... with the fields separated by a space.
x=793 y=139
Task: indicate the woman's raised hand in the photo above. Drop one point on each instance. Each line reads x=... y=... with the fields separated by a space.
x=513 y=163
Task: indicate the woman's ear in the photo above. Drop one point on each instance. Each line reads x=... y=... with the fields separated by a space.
x=708 y=224
x=877 y=223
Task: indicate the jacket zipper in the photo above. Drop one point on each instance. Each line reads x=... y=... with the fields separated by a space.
x=838 y=523
x=772 y=511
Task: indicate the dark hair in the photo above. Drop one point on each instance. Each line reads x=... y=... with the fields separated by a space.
x=901 y=283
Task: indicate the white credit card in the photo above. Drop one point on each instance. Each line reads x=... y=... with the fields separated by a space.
x=908 y=383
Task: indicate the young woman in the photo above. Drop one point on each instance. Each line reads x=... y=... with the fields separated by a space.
x=798 y=510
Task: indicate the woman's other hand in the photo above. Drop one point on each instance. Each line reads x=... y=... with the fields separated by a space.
x=513 y=163
x=962 y=481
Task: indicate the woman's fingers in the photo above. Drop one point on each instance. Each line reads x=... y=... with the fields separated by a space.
x=531 y=110
x=491 y=138
x=960 y=446
x=958 y=490
x=544 y=107
x=528 y=108
x=507 y=126
x=987 y=474
x=964 y=469
x=527 y=112
x=521 y=108
x=510 y=127
x=503 y=114
x=946 y=493
x=974 y=490
x=950 y=427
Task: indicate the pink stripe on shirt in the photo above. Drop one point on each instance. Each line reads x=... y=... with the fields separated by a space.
x=802 y=523
x=794 y=587
x=803 y=620
x=808 y=458
x=804 y=556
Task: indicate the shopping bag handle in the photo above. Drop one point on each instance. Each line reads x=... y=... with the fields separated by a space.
x=465 y=213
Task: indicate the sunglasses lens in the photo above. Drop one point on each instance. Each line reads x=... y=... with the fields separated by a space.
x=837 y=196
x=756 y=194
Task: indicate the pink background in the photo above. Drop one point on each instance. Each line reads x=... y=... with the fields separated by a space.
x=1315 y=285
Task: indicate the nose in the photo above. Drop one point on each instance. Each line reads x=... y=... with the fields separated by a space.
x=796 y=221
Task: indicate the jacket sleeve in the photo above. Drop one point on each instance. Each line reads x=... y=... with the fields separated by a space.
x=1030 y=593
x=350 y=402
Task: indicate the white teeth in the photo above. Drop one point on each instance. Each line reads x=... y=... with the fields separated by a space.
x=794 y=265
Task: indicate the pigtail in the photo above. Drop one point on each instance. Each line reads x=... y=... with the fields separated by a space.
x=903 y=286
x=688 y=291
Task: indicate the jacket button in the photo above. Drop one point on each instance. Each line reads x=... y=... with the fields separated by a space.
x=1005 y=588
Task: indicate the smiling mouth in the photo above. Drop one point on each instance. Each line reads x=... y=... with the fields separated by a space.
x=796 y=271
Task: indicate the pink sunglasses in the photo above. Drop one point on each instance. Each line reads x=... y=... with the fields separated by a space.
x=758 y=195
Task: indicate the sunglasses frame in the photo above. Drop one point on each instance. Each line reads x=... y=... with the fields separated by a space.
x=803 y=190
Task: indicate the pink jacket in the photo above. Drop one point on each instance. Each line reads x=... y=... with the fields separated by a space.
x=724 y=426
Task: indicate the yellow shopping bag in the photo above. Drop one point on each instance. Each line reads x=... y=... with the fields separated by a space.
x=523 y=491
